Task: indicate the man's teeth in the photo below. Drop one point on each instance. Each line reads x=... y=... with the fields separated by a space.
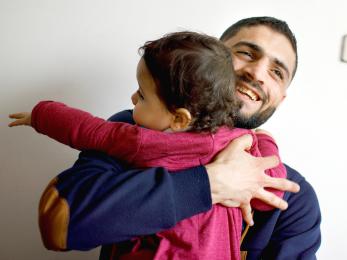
x=253 y=96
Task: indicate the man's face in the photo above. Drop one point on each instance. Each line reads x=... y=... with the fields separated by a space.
x=264 y=62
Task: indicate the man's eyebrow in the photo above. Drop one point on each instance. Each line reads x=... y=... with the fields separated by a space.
x=257 y=48
x=251 y=45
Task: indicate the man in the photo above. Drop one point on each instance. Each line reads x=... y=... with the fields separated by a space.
x=100 y=201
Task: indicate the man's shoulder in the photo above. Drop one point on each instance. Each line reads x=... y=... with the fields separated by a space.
x=290 y=233
x=125 y=116
x=306 y=194
x=293 y=174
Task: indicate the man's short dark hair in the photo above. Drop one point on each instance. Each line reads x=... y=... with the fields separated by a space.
x=194 y=71
x=271 y=22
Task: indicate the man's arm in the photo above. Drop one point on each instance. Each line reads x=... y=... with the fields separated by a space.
x=99 y=201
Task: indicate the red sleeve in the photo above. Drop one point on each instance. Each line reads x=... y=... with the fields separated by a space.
x=83 y=131
x=268 y=147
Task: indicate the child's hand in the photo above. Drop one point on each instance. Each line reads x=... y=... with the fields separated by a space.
x=23 y=118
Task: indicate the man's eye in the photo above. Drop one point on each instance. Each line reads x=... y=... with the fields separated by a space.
x=140 y=95
x=278 y=73
x=246 y=53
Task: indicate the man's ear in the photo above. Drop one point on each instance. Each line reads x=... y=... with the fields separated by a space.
x=181 y=120
x=283 y=98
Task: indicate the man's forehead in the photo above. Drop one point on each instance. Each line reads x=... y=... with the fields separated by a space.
x=273 y=43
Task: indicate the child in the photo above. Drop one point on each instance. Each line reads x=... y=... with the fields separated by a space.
x=184 y=110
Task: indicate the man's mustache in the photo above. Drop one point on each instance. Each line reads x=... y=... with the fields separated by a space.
x=254 y=84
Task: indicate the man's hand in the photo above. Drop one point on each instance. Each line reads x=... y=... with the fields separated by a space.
x=23 y=118
x=236 y=177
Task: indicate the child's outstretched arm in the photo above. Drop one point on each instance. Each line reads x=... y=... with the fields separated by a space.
x=22 y=118
x=81 y=130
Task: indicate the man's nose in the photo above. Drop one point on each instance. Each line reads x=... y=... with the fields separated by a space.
x=257 y=71
x=134 y=98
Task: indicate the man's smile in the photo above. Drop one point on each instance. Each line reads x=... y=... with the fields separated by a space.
x=245 y=91
x=252 y=98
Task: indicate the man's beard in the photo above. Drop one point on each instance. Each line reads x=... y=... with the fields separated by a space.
x=258 y=118
x=253 y=121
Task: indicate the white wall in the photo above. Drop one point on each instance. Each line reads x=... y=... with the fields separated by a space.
x=84 y=53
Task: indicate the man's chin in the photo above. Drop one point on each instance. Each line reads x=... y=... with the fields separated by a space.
x=248 y=109
x=243 y=120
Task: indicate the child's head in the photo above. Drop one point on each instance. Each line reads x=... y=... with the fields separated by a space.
x=186 y=81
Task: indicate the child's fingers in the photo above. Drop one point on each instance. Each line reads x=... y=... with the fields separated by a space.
x=17 y=115
x=16 y=123
x=23 y=118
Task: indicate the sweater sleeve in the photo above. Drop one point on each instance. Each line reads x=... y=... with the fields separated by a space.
x=268 y=147
x=83 y=131
x=99 y=201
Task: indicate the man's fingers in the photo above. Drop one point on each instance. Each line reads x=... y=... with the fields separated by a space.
x=230 y=203
x=245 y=209
x=281 y=184
x=271 y=199
x=243 y=142
x=269 y=162
x=247 y=214
x=240 y=144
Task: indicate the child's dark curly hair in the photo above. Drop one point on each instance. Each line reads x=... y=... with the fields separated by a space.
x=194 y=71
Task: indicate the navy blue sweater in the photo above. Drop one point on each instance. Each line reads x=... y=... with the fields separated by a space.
x=108 y=202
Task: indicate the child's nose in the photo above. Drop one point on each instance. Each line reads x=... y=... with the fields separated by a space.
x=134 y=98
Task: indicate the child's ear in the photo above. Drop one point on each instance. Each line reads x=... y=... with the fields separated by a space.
x=181 y=120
